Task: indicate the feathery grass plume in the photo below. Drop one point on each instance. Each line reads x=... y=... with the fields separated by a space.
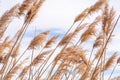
x=51 y=41
x=61 y=56
x=66 y=39
x=3 y=46
x=15 y=51
x=1 y=57
x=96 y=73
x=90 y=31
x=81 y=67
x=14 y=38
x=62 y=69
x=40 y=57
x=7 y=17
x=87 y=34
x=80 y=52
x=25 y=6
x=105 y=18
x=33 y=10
x=14 y=71
x=84 y=76
x=81 y=15
x=23 y=72
x=110 y=20
x=77 y=30
x=72 y=54
x=68 y=52
x=109 y=62
x=118 y=60
x=4 y=58
x=99 y=52
x=96 y=6
x=38 y=40
x=106 y=43
x=58 y=75
x=90 y=10
x=99 y=41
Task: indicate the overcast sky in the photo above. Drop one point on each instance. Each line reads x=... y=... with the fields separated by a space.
x=58 y=15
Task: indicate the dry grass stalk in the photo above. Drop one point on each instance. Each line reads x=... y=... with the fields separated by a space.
x=24 y=71
x=108 y=18
x=91 y=30
x=5 y=44
x=33 y=10
x=96 y=6
x=40 y=57
x=99 y=41
x=38 y=40
x=99 y=53
x=79 y=28
x=69 y=55
x=25 y=6
x=15 y=52
x=74 y=54
x=14 y=71
x=81 y=15
x=105 y=19
x=118 y=61
x=66 y=39
x=81 y=68
x=90 y=10
x=58 y=75
x=88 y=33
x=51 y=41
x=106 y=43
x=96 y=73
x=110 y=61
x=7 y=17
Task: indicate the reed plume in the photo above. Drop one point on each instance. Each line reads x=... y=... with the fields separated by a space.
x=51 y=41
x=33 y=10
x=7 y=17
x=40 y=57
x=66 y=39
x=25 y=6
x=38 y=40
x=91 y=30
x=118 y=61
x=99 y=41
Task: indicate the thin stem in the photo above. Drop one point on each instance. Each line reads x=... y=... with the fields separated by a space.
x=112 y=72
x=40 y=75
x=7 y=59
x=30 y=71
x=55 y=49
x=105 y=46
x=90 y=54
x=18 y=60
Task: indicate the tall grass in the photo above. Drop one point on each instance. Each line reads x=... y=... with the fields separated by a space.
x=64 y=60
